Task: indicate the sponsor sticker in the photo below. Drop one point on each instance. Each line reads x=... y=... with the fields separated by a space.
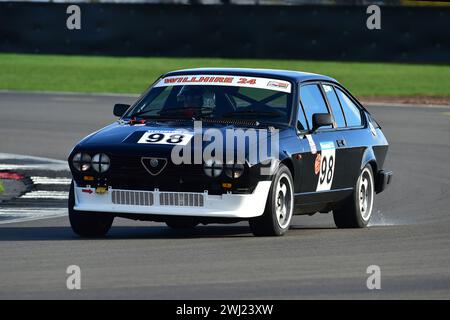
x=225 y=80
x=278 y=84
x=329 y=145
x=312 y=144
x=317 y=164
x=101 y=190
x=327 y=88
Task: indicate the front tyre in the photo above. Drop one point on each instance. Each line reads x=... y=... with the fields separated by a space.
x=357 y=210
x=88 y=224
x=277 y=215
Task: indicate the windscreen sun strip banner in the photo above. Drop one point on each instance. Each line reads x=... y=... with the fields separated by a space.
x=226 y=80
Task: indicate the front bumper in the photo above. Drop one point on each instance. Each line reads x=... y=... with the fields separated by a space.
x=158 y=202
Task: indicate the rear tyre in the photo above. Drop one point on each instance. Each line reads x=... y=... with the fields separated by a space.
x=88 y=224
x=357 y=210
x=182 y=223
x=277 y=215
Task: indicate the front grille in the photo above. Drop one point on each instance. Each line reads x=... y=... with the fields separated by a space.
x=181 y=199
x=128 y=173
x=146 y=198
x=132 y=165
x=134 y=198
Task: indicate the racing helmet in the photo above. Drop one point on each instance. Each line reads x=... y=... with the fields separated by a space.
x=197 y=96
x=191 y=96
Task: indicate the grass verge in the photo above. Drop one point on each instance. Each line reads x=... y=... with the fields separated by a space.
x=30 y=72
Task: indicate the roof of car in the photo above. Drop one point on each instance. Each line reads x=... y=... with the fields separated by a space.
x=284 y=74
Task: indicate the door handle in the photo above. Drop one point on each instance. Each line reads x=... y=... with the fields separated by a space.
x=341 y=142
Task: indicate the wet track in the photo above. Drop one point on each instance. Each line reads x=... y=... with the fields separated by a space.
x=409 y=238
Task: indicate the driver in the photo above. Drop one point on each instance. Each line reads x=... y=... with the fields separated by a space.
x=192 y=99
x=196 y=100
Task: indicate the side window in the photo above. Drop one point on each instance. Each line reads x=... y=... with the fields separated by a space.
x=351 y=111
x=312 y=101
x=335 y=106
x=301 y=119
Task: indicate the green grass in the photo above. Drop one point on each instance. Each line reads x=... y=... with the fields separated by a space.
x=133 y=75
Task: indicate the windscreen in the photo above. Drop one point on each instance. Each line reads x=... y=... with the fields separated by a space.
x=217 y=97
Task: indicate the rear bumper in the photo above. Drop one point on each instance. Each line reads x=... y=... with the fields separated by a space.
x=383 y=179
x=158 y=202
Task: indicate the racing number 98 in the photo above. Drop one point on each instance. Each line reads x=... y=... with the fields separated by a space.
x=157 y=137
x=326 y=170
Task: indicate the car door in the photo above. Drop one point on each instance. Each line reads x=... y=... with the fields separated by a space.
x=341 y=127
x=323 y=161
x=355 y=136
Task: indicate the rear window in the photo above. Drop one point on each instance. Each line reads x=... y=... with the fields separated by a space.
x=351 y=111
x=335 y=106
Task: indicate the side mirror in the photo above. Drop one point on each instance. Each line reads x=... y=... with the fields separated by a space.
x=321 y=120
x=120 y=109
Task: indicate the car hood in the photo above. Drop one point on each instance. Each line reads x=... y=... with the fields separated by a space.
x=122 y=137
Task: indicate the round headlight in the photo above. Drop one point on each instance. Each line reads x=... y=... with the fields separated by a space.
x=233 y=170
x=213 y=168
x=101 y=162
x=81 y=161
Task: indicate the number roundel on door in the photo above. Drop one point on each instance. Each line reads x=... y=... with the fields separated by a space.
x=327 y=164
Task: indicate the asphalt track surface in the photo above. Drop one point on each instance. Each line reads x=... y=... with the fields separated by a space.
x=409 y=237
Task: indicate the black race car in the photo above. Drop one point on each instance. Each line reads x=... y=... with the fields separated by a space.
x=226 y=145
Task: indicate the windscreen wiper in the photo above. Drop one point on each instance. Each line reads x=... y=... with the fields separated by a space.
x=142 y=113
x=253 y=113
x=180 y=109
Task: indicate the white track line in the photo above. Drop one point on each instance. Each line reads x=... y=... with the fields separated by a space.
x=47 y=180
x=48 y=163
x=9 y=156
x=33 y=211
x=29 y=214
x=50 y=167
x=46 y=195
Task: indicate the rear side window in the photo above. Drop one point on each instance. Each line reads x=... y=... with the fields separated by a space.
x=313 y=102
x=351 y=111
x=335 y=106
